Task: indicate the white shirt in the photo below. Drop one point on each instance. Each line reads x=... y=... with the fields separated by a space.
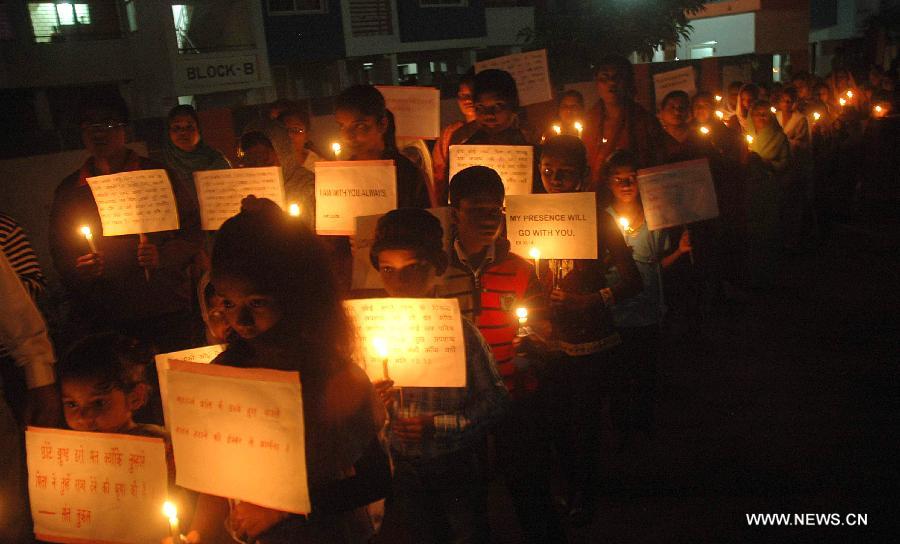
x=23 y=331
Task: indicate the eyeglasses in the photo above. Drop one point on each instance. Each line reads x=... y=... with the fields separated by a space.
x=296 y=130
x=492 y=110
x=104 y=126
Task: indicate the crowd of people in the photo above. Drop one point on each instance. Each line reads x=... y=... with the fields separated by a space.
x=541 y=403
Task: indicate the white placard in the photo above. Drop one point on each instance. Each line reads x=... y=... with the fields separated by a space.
x=530 y=72
x=677 y=194
x=204 y=355
x=225 y=418
x=364 y=274
x=346 y=190
x=560 y=226
x=514 y=163
x=681 y=79
x=220 y=191
x=417 y=111
x=96 y=487
x=423 y=337
x=135 y=202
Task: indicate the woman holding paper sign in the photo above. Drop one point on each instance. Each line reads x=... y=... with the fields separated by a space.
x=108 y=286
x=281 y=301
x=184 y=151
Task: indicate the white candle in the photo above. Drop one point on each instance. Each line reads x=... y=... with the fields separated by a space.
x=86 y=232
x=556 y=129
x=336 y=147
x=294 y=209
x=749 y=140
x=522 y=314
x=171 y=512
x=773 y=110
x=381 y=348
x=535 y=254
x=842 y=102
x=579 y=127
x=816 y=116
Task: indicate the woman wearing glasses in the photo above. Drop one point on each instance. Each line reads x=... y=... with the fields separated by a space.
x=296 y=121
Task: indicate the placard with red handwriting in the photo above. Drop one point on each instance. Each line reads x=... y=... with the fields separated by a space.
x=96 y=487
x=202 y=355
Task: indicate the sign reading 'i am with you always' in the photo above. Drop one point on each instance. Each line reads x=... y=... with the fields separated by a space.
x=220 y=191
x=223 y=417
x=135 y=202
x=414 y=342
x=559 y=226
x=96 y=487
x=514 y=163
x=346 y=190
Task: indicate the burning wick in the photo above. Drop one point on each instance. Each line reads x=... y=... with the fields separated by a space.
x=522 y=314
x=626 y=225
x=294 y=209
x=749 y=139
x=816 y=116
x=86 y=232
x=718 y=98
x=773 y=110
x=604 y=140
x=336 y=147
x=878 y=109
x=381 y=348
x=704 y=130
x=579 y=127
x=557 y=129
x=535 y=254
x=720 y=114
x=842 y=102
x=849 y=94
x=171 y=512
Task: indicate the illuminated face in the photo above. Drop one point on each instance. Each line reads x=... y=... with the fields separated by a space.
x=184 y=133
x=733 y=96
x=610 y=82
x=761 y=116
x=570 y=110
x=675 y=112
x=747 y=99
x=786 y=103
x=297 y=131
x=258 y=156
x=703 y=110
x=493 y=113
x=802 y=87
x=247 y=311
x=103 y=134
x=560 y=175
x=404 y=274
x=623 y=184
x=90 y=407
x=465 y=101
x=362 y=134
x=824 y=95
x=479 y=219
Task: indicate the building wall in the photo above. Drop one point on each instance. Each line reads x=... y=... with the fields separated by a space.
x=734 y=34
x=419 y=24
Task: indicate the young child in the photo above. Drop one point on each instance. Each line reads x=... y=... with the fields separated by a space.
x=439 y=489
x=282 y=303
x=490 y=282
x=586 y=379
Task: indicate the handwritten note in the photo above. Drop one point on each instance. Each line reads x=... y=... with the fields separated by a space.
x=560 y=226
x=220 y=191
x=135 y=202
x=346 y=190
x=417 y=110
x=530 y=72
x=204 y=355
x=364 y=274
x=681 y=79
x=423 y=338
x=677 y=194
x=514 y=163
x=223 y=418
x=96 y=487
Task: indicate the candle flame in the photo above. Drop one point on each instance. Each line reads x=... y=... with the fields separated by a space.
x=605 y=140
x=86 y=232
x=578 y=126
x=749 y=139
x=522 y=313
x=557 y=129
x=842 y=102
x=816 y=115
x=720 y=114
x=878 y=109
x=381 y=347
x=624 y=222
x=773 y=110
x=169 y=510
x=718 y=98
x=704 y=130
x=294 y=209
x=336 y=147
x=849 y=94
x=535 y=253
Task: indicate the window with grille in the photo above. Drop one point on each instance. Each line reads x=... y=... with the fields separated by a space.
x=74 y=21
x=207 y=26
x=297 y=7
x=370 y=18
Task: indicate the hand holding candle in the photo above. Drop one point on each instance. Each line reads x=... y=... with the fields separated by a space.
x=86 y=232
x=522 y=315
x=749 y=139
x=171 y=512
x=579 y=128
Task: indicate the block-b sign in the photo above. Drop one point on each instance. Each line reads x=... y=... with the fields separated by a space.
x=200 y=73
x=677 y=194
x=559 y=226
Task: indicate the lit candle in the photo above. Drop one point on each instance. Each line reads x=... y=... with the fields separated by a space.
x=604 y=140
x=86 y=232
x=704 y=130
x=142 y=239
x=878 y=109
x=816 y=116
x=720 y=114
x=718 y=98
x=294 y=209
x=626 y=225
x=522 y=314
x=557 y=129
x=171 y=512
x=336 y=147
x=842 y=102
x=579 y=127
x=850 y=94
x=535 y=254
x=381 y=348
x=773 y=110
x=749 y=141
